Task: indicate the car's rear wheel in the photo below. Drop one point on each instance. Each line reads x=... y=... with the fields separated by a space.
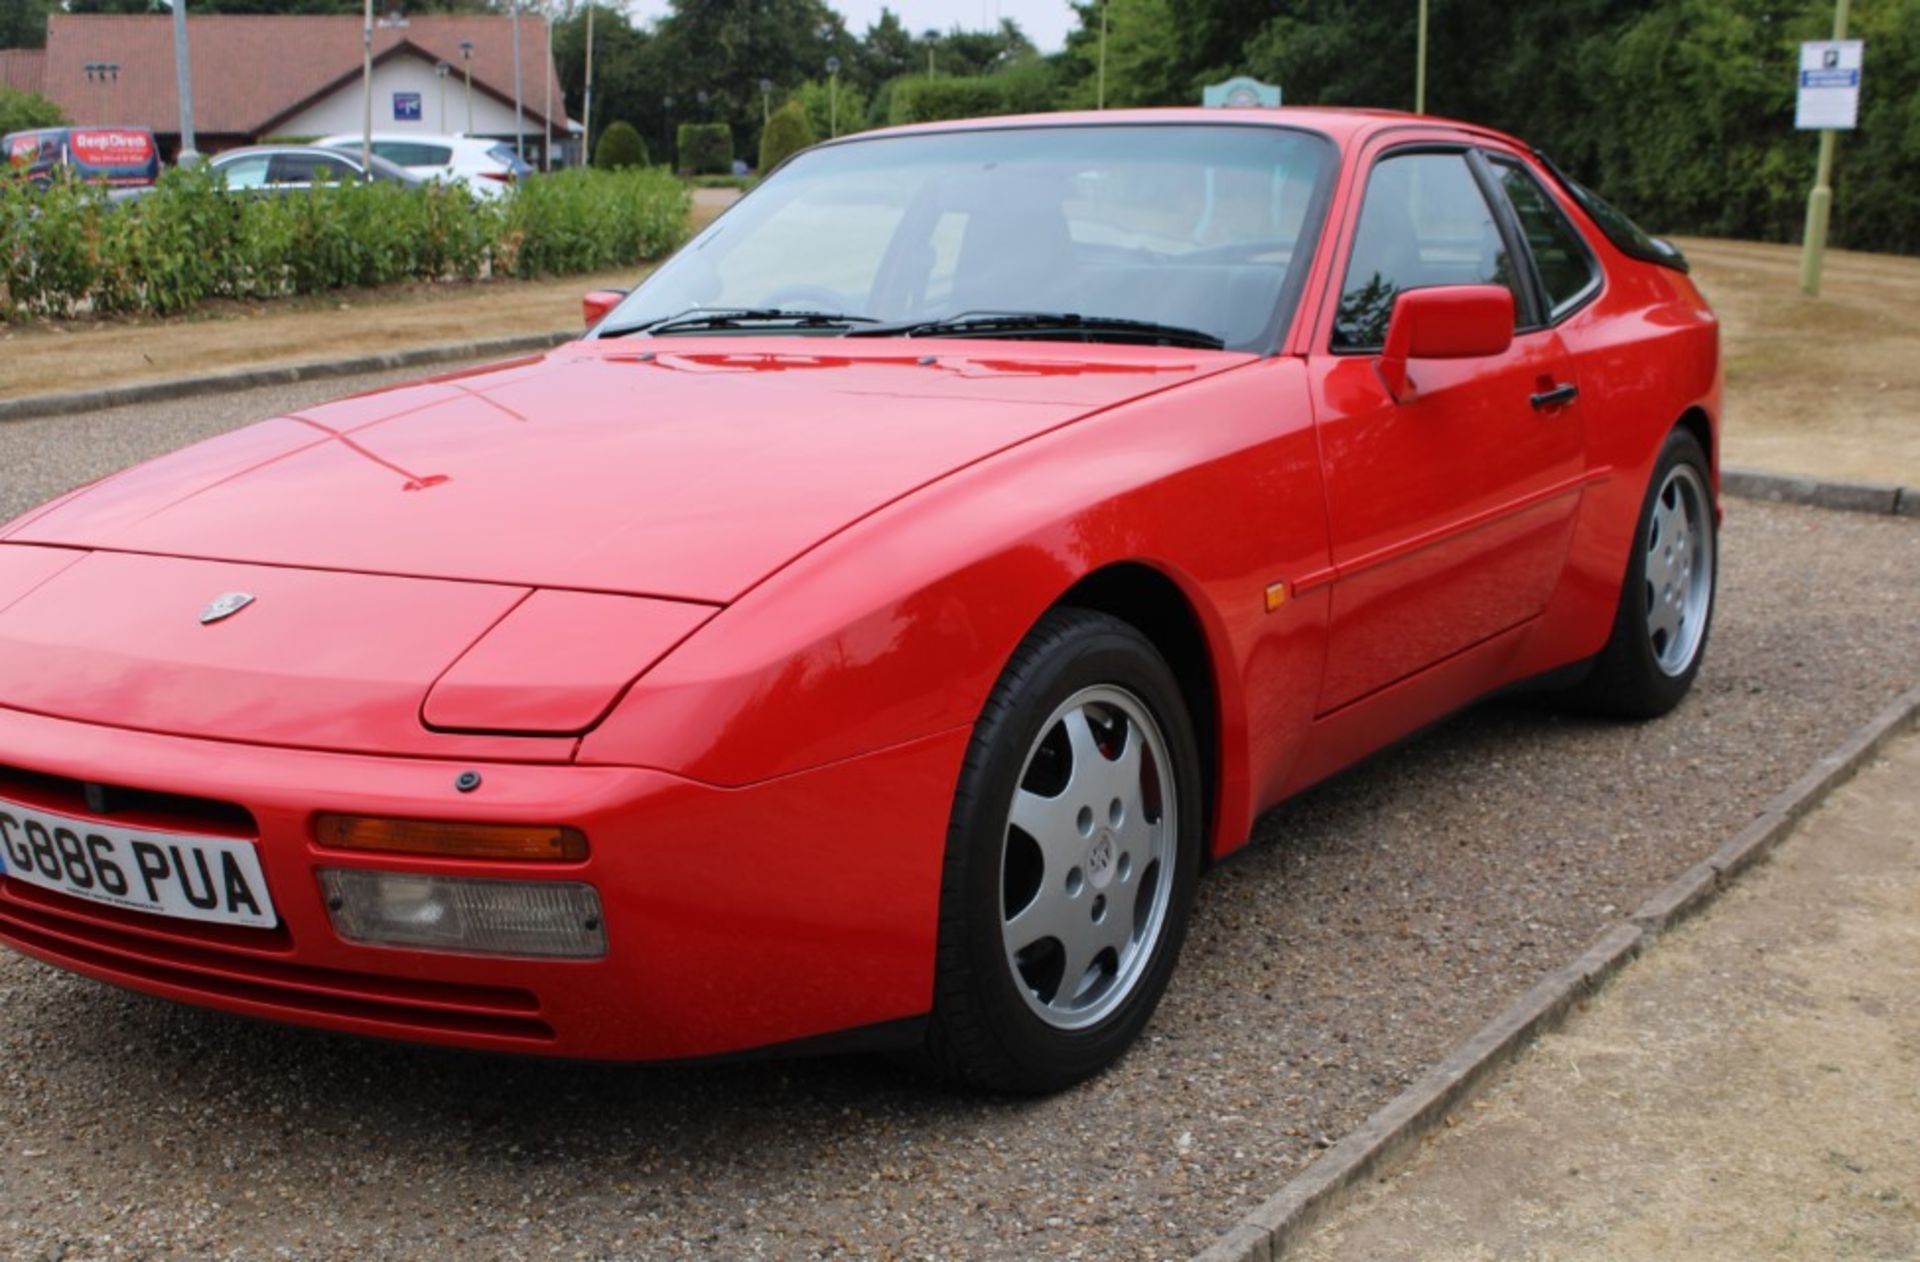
x=1071 y=859
x=1666 y=602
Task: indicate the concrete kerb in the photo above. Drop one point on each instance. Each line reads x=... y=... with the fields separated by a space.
x=31 y=407
x=1276 y=1225
x=1791 y=488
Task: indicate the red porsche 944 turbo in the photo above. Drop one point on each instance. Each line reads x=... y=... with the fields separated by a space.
x=868 y=633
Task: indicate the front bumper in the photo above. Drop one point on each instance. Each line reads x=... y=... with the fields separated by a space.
x=736 y=918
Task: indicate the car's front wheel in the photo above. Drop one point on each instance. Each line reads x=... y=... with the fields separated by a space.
x=1071 y=859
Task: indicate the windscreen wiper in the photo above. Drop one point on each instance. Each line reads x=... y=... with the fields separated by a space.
x=1067 y=324
x=704 y=319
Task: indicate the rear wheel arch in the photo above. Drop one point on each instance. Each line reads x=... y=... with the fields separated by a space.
x=1694 y=420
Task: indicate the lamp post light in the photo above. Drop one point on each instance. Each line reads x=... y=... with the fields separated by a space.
x=833 y=97
x=466 y=63
x=104 y=73
x=440 y=71
x=766 y=101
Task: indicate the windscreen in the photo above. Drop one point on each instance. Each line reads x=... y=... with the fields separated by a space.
x=1202 y=226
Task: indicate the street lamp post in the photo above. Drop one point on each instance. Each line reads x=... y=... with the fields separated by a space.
x=1100 y=88
x=519 y=115
x=766 y=101
x=586 y=107
x=183 y=78
x=1420 y=64
x=366 y=90
x=546 y=113
x=466 y=63
x=833 y=97
x=440 y=71
x=666 y=112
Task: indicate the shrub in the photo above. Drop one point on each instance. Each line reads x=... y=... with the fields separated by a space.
x=582 y=221
x=620 y=147
x=787 y=132
x=706 y=148
x=68 y=248
x=923 y=100
x=23 y=111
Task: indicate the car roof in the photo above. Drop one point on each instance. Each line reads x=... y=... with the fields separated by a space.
x=245 y=150
x=1344 y=125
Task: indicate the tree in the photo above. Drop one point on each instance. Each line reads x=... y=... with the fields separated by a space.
x=21 y=111
x=620 y=147
x=23 y=23
x=787 y=133
x=817 y=99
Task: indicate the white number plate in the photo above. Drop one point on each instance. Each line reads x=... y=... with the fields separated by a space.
x=167 y=874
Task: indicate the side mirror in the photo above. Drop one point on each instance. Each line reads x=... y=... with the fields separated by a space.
x=595 y=305
x=1444 y=322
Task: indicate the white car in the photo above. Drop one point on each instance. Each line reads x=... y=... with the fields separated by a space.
x=487 y=167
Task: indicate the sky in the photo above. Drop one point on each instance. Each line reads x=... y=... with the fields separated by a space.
x=1046 y=22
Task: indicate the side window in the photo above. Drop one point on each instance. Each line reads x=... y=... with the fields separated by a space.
x=1423 y=222
x=250 y=172
x=1560 y=254
x=409 y=153
x=293 y=168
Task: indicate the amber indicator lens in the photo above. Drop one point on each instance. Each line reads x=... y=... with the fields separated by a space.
x=452 y=840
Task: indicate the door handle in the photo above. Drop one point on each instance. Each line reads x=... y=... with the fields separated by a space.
x=1556 y=397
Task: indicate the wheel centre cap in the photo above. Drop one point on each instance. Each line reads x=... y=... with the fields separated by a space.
x=1100 y=858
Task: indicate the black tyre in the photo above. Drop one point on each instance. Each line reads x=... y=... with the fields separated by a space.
x=1071 y=859
x=1666 y=602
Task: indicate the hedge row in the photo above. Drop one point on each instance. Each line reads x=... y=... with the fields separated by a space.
x=67 y=248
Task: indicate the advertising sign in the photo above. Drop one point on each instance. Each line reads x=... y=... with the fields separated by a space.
x=22 y=150
x=110 y=147
x=406 y=107
x=1829 y=85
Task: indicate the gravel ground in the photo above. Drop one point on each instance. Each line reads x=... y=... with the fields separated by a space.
x=1376 y=922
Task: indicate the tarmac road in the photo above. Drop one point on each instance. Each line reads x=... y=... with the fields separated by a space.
x=1374 y=923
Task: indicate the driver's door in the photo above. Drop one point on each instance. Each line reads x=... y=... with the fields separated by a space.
x=1449 y=511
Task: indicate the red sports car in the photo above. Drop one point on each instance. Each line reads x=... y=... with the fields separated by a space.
x=868 y=633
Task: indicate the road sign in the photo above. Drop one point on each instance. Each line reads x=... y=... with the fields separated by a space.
x=406 y=107
x=1829 y=85
x=1239 y=93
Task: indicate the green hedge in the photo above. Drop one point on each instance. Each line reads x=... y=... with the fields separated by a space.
x=923 y=100
x=706 y=148
x=620 y=147
x=68 y=249
x=786 y=133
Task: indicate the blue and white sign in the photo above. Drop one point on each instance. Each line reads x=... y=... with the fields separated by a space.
x=406 y=107
x=1829 y=85
x=1240 y=93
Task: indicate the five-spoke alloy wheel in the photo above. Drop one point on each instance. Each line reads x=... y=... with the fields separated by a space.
x=1666 y=603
